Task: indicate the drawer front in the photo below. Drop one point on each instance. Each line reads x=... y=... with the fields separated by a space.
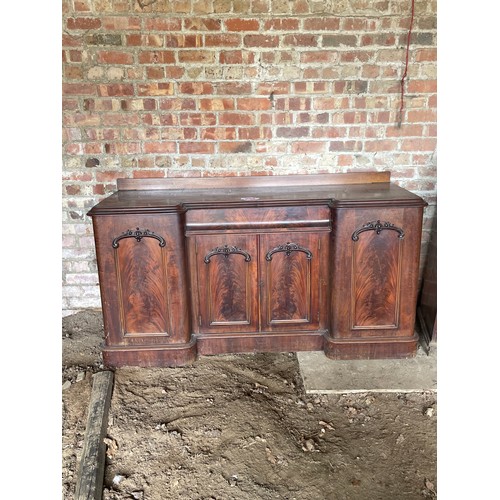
x=258 y=218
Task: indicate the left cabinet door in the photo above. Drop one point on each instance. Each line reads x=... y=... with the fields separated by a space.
x=141 y=274
x=225 y=283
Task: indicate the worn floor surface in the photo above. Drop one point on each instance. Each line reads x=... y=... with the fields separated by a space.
x=244 y=427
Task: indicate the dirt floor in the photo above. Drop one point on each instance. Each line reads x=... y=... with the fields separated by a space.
x=241 y=427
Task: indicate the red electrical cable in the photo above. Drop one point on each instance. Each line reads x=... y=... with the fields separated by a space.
x=406 y=64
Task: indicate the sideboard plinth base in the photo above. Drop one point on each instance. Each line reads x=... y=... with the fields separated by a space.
x=150 y=356
x=269 y=342
x=371 y=348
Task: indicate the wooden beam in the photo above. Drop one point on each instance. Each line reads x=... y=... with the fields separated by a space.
x=91 y=471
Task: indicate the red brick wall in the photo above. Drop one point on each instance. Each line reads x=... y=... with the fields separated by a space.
x=156 y=88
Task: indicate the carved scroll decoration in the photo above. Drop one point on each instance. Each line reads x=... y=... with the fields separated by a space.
x=225 y=251
x=288 y=249
x=378 y=227
x=138 y=234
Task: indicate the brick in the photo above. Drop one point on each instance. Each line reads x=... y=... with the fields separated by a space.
x=202 y=24
x=310 y=87
x=340 y=40
x=196 y=88
x=422 y=86
x=104 y=39
x=73 y=73
x=261 y=41
x=160 y=147
x=196 y=56
x=75 y=56
x=124 y=148
x=153 y=40
x=281 y=24
x=145 y=174
x=357 y=56
x=418 y=144
x=156 y=73
x=222 y=40
x=418 y=39
x=158 y=88
x=120 y=119
x=358 y=24
x=423 y=115
x=236 y=57
x=380 y=145
x=121 y=23
x=253 y=103
x=301 y=40
x=197 y=147
x=116 y=89
x=156 y=57
x=91 y=148
x=78 y=89
x=236 y=119
x=198 y=119
x=254 y=133
x=163 y=24
x=176 y=104
x=115 y=57
x=385 y=39
x=235 y=147
x=308 y=147
x=242 y=24
x=322 y=24
x=351 y=87
x=426 y=23
x=216 y=104
x=233 y=88
x=260 y=6
x=218 y=133
x=322 y=103
x=292 y=131
x=329 y=132
x=83 y=23
x=345 y=146
x=274 y=88
x=318 y=56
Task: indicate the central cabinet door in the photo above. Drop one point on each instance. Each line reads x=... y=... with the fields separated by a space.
x=290 y=281
x=227 y=283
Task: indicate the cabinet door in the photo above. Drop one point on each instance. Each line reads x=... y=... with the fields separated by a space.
x=376 y=272
x=141 y=274
x=291 y=288
x=226 y=267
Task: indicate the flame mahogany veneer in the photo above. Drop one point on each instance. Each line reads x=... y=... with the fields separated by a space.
x=191 y=267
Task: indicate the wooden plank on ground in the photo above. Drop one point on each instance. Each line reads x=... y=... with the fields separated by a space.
x=91 y=471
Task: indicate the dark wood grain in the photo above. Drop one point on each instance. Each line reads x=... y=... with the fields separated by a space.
x=253 y=181
x=227 y=288
x=379 y=274
x=290 y=285
x=258 y=219
x=142 y=288
x=376 y=275
x=246 y=265
x=145 y=300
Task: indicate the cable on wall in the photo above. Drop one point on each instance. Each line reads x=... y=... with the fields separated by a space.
x=403 y=78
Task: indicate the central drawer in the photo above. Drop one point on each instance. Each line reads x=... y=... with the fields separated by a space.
x=258 y=218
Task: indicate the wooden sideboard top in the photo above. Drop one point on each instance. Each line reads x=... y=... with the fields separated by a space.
x=179 y=194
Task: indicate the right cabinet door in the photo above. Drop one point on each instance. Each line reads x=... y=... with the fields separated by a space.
x=291 y=287
x=375 y=272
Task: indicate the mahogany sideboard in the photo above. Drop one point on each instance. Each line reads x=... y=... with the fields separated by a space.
x=191 y=267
